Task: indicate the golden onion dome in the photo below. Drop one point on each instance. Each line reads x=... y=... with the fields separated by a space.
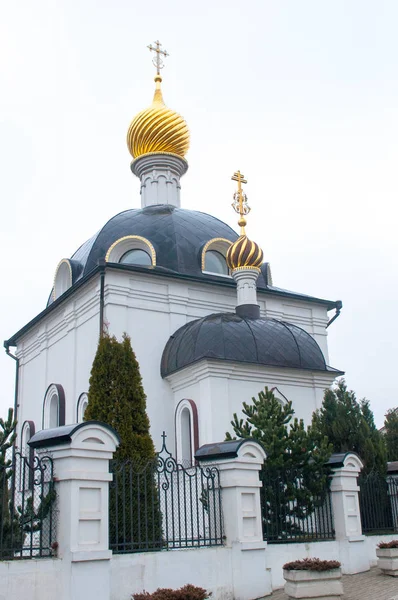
x=158 y=129
x=244 y=254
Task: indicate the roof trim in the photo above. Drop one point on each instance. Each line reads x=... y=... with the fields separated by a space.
x=161 y=272
x=328 y=371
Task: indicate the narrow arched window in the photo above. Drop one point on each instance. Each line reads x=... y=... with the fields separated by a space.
x=81 y=407
x=187 y=432
x=25 y=461
x=186 y=441
x=54 y=407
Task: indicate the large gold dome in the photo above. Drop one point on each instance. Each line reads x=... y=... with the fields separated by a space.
x=158 y=129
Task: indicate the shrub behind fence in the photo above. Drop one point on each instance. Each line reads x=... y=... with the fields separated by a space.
x=289 y=513
x=27 y=515
x=163 y=506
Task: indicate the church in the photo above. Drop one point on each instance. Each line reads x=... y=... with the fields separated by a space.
x=208 y=326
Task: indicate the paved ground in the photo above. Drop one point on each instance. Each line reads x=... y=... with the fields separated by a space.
x=365 y=586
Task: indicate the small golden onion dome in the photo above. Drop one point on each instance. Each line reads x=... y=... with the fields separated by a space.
x=158 y=129
x=244 y=254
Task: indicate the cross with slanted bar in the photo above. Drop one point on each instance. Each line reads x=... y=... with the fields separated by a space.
x=157 y=60
x=240 y=200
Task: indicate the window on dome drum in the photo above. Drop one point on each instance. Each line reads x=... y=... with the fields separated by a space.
x=136 y=257
x=213 y=257
x=132 y=250
x=215 y=263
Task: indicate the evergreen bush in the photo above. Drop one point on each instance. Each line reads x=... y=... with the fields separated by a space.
x=295 y=476
x=116 y=397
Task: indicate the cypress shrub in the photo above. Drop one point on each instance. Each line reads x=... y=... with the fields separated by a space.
x=116 y=397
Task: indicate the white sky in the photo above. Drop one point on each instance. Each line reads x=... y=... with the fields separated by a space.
x=300 y=95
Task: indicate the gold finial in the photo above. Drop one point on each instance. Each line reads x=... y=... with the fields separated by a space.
x=157 y=129
x=240 y=204
x=157 y=59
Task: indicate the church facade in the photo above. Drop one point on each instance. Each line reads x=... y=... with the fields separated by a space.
x=208 y=326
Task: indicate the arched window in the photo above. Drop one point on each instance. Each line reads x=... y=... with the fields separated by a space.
x=213 y=257
x=27 y=456
x=215 y=263
x=63 y=278
x=81 y=407
x=187 y=432
x=136 y=257
x=132 y=250
x=54 y=407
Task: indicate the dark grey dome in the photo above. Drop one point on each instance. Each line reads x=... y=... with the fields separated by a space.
x=178 y=236
x=227 y=336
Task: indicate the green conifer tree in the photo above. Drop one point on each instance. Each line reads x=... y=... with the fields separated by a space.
x=116 y=397
x=391 y=433
x=10 y=531
x=295 y=473
x=349 y=426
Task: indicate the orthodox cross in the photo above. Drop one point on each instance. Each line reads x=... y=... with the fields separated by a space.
x=240 y=204
x=157 y=59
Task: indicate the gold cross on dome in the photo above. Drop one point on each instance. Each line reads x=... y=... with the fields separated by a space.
x=157 y=59
x=240 y=204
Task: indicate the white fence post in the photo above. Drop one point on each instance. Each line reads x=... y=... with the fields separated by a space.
x=346 y=513
x=239 y=463
x=81 y=455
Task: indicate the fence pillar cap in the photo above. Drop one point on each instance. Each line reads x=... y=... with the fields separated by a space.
x=81 y=435
x=349 y=461
x=247 y=448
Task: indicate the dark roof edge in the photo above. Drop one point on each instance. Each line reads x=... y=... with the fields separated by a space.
x=331 y=304
x=328 y=371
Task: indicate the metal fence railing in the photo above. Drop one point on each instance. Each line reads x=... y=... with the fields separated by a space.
x=27 y=514
x=290 y=513
x=164 y=506
x=378 y=501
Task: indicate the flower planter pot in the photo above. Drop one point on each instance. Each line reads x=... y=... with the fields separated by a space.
x=388 y=561
x=314 y=585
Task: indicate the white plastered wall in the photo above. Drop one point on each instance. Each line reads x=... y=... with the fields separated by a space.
x=150 y=308
x=219 y=389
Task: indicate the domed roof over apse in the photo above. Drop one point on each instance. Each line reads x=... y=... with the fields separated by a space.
x=226 y=336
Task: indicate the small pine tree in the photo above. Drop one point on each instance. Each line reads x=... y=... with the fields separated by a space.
x=349 y=426
x=116 y=397
x=295 y=475
x=10 y=531
x=391 y=433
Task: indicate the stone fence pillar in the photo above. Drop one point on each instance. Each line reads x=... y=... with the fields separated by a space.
x=239 y=463
x=346 y=513
x=81 y=455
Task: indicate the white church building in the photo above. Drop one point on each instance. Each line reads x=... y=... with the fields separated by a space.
x=208 y=326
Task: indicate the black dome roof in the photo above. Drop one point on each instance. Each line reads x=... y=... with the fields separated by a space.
x=227 y=336
x=178 y=236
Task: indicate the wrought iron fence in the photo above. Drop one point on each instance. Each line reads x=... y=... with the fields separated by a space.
x=27 y=513
x=378 y=501
x=290 y=513
x=164 y=505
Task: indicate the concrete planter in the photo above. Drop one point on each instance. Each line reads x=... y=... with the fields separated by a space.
x=314 y=585
x=388 y=561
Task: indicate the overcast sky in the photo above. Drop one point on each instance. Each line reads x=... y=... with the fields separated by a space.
x=300 y=95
